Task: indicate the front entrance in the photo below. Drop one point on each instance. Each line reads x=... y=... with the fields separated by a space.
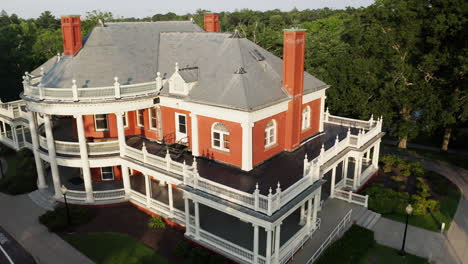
x=181 y=128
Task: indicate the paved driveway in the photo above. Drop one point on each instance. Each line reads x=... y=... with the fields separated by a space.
x=19 y=217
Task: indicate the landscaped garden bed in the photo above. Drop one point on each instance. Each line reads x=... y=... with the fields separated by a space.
x=401 y=182
x=141 y=238
x=357 y=246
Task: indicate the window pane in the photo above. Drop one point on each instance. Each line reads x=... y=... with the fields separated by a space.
x=125 y=120
x=182 y=128
x=226 y=144
x=101 y=124
x=182 y=119
x=216 y=135
x=217 y=143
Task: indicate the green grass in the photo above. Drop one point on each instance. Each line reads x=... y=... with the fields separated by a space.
x=357 y=246
x=114 y=248
x=379 y=254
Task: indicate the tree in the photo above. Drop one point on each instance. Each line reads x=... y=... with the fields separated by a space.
x=47 y=21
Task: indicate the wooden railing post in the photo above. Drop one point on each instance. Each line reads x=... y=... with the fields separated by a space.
x=75 y=91
x=145 y=153
x=278 y=196
x=270 y=198
x=306 y=165
x=116 y=88
x=168 y=160
x=256 y=197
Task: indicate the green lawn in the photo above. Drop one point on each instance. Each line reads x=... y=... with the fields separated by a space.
x=379 y=254
x=357 y=246
x=114 y=248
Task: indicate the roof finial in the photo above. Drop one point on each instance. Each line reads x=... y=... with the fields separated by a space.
x=176 y=66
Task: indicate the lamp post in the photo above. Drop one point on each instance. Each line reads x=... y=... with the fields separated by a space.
x=409 y=211
x=64 y=191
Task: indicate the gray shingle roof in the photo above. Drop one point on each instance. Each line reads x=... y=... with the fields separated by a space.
x=135 y=51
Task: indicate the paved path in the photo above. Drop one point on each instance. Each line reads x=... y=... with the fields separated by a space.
x=19 y=217
x=454 y=243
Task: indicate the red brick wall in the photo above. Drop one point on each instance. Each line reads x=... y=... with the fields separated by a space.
x=96 y=174
x=168 y=121
x=314 y=119
x=234 y=156
x=260 y=153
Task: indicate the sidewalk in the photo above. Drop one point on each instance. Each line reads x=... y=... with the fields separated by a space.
x=19 y=217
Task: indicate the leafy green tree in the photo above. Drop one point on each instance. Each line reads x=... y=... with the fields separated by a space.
x=47 y=21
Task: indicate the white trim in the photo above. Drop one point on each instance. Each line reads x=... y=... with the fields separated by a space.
x=180 y=135
x=101 y=129
x=195 y=144
x=142 y=123
x=221 y=138
x=112 y=170
x=307 y=98
x=268 y=133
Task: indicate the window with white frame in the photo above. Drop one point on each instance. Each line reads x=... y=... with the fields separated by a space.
x=100 y=122
x=306 y=118
x=125 y=120
x=220 y=137
x=270 y=133
x=140 y=118
x=107 y=173
x=153 y=118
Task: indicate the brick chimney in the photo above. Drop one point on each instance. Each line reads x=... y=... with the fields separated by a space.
x=211 y=22
x=293 y=83
x=71 y=34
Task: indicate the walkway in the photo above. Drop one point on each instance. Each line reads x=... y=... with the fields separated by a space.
x=332 y=213
x=454 y=243
x=19 y=217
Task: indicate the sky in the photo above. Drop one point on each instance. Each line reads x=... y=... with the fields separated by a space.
x=144 y=8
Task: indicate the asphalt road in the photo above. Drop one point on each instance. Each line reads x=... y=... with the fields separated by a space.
x=11 y=252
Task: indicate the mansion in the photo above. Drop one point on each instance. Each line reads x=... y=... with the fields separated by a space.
x=202 y=127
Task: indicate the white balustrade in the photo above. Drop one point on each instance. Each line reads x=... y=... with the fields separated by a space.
x=89 y=94
x=109 y=195
x=73 y=148
x=352 y=197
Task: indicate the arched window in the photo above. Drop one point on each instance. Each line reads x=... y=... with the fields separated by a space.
x=220 y=137
x=270 y=133
x=306 y=118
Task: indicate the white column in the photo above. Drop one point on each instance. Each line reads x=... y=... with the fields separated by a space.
x=309 y=215
x=247 y=146
x=268 y=247
x=195 y=151
x=84 y=159
x=187 y=216
x=148 y=190
x=126 y=180
x=375 y=154
x=332 y=185
x=345 y=169
x=171 y=202
x=52 y=156
x=23 y=134
x=277 y=242
x=357 y=171
x=255 y=244
x=315 y=209
x=302 y=218
x=322 y=111
x=41 y=183
x=121 y=132
x=197 y=220
x=14 y=135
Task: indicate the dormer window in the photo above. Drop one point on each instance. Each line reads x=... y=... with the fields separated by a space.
x=183 y=80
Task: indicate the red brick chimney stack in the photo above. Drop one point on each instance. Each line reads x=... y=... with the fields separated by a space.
x=293 y=83
x=211 y=23
x=71 y=34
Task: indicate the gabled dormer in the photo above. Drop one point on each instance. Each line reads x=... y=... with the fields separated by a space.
x=183 y=80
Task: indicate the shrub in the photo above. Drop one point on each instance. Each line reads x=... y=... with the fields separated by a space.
x=386 y=201
x=182 y=249
x=56 y=220
x=156 y=223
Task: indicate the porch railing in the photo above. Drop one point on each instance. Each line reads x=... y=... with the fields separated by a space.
x=76 y=195
x=336 y=232
x=73 y=148
x=352 y=197
x=296 y=242
x=109 y=195
x=12 y=109
x=74 y=93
